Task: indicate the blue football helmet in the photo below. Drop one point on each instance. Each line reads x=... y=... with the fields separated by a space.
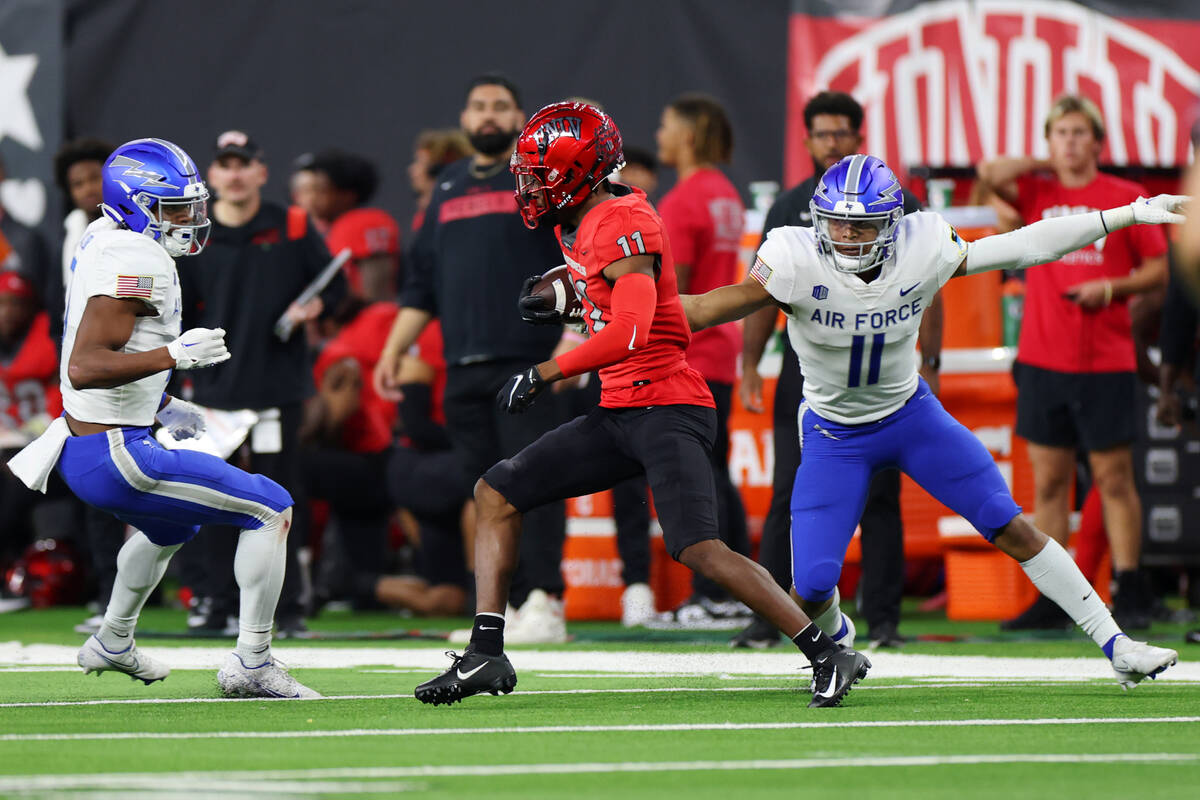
x=857 y=197
x=153 y=188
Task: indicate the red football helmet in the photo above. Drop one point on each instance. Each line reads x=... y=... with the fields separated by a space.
x=563 y=153
x=48 y=573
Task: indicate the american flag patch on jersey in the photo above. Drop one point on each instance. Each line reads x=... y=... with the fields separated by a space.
x=760 y=271
x=134 y=286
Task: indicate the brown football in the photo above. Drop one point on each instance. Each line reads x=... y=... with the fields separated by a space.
x=557 y=291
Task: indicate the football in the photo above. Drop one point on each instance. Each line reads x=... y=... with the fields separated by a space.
x=557 y=291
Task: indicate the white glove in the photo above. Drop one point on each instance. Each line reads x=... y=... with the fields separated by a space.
x=1159 y=209
x=182 y=419
x=199 y=347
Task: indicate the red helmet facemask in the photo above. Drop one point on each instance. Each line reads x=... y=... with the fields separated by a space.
x=565 y=151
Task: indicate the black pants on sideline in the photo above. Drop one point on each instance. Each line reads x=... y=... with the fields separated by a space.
x=216 y=544
x=105 y=536
x=355 y=487
x=882 y=582
x=731 y=514
x=485 y=434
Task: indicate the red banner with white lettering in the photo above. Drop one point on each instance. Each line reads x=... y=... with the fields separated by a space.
x=953 y=82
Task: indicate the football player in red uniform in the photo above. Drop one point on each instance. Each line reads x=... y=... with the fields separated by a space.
x=656 y=415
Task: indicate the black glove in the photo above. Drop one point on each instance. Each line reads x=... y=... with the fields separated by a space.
x=533 y=307
x=520 y=391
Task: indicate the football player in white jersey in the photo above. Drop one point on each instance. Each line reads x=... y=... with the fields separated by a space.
x=122 y=338
x=854 y=287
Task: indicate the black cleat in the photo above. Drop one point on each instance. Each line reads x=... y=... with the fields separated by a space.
x=758 y=635
x=1043 y=615
x=834 y=672
x=471 y=673
x=886 y=636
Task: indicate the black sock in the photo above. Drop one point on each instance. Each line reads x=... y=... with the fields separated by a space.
x=813 y=641
x=488 y=634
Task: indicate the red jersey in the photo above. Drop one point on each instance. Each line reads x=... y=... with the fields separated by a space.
x=29 y=383
x=657 y=374
x=369 y=429
x=1056 y=333
x=704 y=217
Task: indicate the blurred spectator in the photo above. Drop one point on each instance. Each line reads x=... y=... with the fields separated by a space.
x=29 y=399
x=342 y=182
x=374 y=241
x=702 y=215
x=1075 y=369
x=834 y=122
x=77 y=173
x=23 y=249
x=467 y=265
x=429 y=477
x=258 y=260
x=302 y=188
x=434 y=150
x=349 y=461
x=640 y=170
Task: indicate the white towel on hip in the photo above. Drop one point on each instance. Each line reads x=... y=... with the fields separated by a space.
x=37 y=459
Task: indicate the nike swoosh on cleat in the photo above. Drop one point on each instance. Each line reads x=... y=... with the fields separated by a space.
x=831 y=687
x=462 y=676
x=909 y=289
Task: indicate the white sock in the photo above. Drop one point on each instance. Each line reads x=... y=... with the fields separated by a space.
x=140 y=566
x=258 y=566
x=1054 y=573
x=830 y=620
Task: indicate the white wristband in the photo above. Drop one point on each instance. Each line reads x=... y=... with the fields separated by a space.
x=1114 y=219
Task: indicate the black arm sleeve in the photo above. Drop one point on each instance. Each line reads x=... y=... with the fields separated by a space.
x=419 y=290
x=1177 y=331
x=416 y=417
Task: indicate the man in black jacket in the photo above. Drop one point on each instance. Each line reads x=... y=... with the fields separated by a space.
x=833 y=120
x=259 y=258
x=466 y=267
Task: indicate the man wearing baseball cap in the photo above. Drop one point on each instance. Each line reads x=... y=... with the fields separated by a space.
x=259 y=258
x=373 y=237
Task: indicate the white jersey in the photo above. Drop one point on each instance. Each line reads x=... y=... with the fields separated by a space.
x=856 y=340
x=117 y=262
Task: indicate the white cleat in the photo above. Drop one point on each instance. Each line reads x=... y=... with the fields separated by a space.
x=1132 y=662
x=637 y=605
x=266 y=680
x=94 y=657
x=540 y=621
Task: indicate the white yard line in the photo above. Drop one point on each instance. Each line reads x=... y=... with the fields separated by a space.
x=796 y=687
x=648 y=728
x=886 y=665
x=217 y=780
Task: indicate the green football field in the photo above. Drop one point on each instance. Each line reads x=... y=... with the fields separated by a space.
x=964 y=711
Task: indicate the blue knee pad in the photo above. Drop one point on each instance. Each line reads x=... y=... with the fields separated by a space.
x=816 y=582
x=997 y=510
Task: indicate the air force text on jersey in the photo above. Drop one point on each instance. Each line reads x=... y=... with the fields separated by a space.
x=871 y=320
